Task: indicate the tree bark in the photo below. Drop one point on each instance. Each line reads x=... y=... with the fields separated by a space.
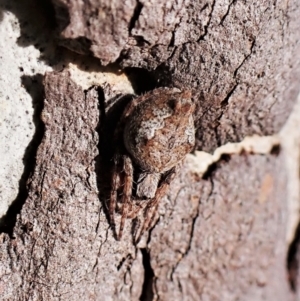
x=240 y=59
x=217 y=237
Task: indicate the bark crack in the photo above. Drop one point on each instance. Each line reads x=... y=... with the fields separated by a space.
x=224 y=102
x=208 y=23
x=227 y=12
x=245 y=58
x=192 y=230
x=147 y=291
x=136 y=13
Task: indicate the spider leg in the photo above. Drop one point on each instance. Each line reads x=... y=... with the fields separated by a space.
x=128 y=179
x=115 y=184
x=152 y=206
x=134 y=210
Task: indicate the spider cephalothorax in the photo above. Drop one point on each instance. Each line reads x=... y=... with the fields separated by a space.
x=157 y=131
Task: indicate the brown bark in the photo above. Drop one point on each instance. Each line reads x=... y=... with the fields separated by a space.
x=217 y=238
x=241 y=59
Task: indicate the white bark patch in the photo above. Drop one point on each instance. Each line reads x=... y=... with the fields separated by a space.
x=201 y=161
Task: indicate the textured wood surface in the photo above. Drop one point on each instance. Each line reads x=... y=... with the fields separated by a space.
x=241 y=59
x=218 y=238
x=221 y=237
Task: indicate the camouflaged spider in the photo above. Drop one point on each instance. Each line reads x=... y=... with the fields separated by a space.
x=157 y=131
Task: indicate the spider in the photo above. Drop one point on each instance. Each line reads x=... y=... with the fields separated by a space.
x=156 y=131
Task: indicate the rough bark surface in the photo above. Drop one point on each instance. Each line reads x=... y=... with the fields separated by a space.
x=218 y=238
x=221 y=237
x=239 y=58
x=54 y=250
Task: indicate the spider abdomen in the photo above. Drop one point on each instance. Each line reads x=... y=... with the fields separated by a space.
x=159 y=129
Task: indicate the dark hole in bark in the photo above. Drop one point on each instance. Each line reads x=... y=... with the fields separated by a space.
x=147 y=292
x=142 y=80
x=275 y=150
